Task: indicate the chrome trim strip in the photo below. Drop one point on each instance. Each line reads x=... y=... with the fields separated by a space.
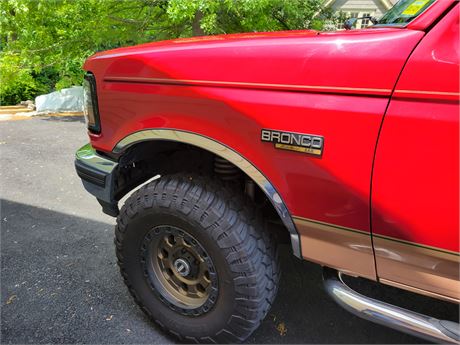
x=196 y=82
x=420 y=92
x=385 y=314
x=435 y=95
x=294 y=87
x=89 y=157
x=224 y=152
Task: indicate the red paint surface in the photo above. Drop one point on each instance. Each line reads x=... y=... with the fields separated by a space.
x=363 y=65
x=416 y=175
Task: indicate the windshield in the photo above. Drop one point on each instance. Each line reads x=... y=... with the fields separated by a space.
x=404 y=12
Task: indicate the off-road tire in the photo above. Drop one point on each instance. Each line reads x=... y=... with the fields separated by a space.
x=229 y=229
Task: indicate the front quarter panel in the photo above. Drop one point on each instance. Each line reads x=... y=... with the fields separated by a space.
x=230 y=91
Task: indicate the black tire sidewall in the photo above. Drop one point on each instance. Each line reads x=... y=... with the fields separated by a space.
x=211 y=322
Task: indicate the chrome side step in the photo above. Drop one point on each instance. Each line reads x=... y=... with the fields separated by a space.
x=401 y=319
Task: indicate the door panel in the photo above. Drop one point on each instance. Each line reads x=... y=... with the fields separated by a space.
x=415 y=195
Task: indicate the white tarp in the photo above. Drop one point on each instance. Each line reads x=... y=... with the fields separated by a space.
x=70 y=99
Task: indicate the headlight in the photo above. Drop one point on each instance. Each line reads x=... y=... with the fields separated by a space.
x=90 y=108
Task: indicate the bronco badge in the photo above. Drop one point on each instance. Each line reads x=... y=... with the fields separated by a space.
x=306 y=143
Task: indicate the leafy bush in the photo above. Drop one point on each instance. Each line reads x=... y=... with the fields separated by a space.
x=24 y=88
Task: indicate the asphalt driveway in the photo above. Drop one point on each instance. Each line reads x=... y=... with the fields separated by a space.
x=59 y=278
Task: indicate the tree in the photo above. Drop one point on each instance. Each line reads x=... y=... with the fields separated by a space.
x=43 y=43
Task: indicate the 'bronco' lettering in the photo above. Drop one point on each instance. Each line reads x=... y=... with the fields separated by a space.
x=306 y=143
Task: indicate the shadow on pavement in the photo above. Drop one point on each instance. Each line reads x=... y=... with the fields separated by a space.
x=60 y=284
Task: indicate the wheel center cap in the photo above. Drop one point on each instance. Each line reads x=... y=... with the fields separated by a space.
x=182 y=267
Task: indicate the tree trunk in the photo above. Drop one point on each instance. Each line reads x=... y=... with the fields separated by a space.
x=196 y=28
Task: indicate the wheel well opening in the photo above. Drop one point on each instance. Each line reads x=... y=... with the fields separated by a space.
x=145 y=160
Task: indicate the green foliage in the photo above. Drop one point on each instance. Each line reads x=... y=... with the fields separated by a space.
x=23 y=87
x=43 y=43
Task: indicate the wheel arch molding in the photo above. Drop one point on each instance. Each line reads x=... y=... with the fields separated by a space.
x=223 y=151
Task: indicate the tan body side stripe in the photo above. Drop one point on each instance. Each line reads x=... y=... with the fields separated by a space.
x=412 y=266
x=345 y=249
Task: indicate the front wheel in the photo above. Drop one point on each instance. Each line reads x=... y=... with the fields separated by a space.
x=196 y=259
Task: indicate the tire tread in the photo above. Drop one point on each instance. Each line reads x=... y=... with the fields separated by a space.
x=232 y=221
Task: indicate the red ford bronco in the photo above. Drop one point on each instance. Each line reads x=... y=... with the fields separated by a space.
x=345 y=144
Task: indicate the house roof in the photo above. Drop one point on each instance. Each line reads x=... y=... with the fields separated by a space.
x=387 y=4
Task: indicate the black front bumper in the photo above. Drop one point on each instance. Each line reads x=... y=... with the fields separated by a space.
x=97 y=174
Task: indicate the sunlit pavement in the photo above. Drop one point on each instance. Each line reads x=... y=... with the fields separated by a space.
x=59 y=278
x=19 y=112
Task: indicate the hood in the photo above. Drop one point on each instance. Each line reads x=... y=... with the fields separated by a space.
x=368 y=59
x=200 y=42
